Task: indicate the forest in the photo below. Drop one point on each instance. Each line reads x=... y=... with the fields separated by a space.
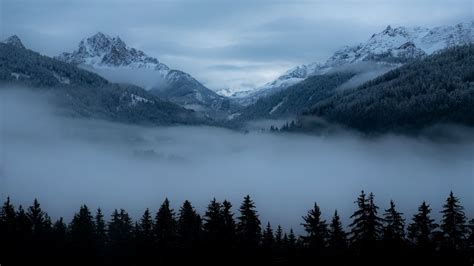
x=221 y=235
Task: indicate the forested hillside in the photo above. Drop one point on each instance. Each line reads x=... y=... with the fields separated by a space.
x=85 y=94
x=438 y=89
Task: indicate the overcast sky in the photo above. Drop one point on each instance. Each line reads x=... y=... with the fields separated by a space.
x=239 y=43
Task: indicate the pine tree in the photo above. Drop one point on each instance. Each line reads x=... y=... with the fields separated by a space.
x=144 y=234
x=248 y=228
x=189 y=226
x=394 y=228
x=59 y=235
x=453 y=223
x=420 y=231
x=120 y=234
x=7 y=228
x=292 y=241
x=165 y=226
x=82 y=233
x=337 y=237
x=316 y=229
x=365 y=227
x=100 y=232
x=279 y=237
x=37 y=219
x=267 y=237
x=228 y=232
x=214 y=223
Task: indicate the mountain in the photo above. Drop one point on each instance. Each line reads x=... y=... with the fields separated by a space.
x=296 y=99
x=113 y=59
x=81 y=93
x=389 y=48
x=438 y=89
x=15 y=41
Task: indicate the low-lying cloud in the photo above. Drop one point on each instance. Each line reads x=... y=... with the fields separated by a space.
x=67 y=162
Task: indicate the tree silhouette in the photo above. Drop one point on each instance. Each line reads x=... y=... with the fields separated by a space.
x=82 y=234
x=189 y=226
x=366 y=225
x=420 y=231
x=267 y=237
x=165 y=226
x=316 y=229
x=337 y=237
x=453 y=223
x=248 y=227
x=394 y=228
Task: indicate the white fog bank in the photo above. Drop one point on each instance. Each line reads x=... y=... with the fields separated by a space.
x=65 y=163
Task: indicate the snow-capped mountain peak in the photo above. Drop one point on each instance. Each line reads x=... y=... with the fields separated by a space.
x=391 y=46
x=15 y=41
x=102 y=51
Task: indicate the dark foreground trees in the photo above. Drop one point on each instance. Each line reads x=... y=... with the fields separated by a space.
x=220 y=237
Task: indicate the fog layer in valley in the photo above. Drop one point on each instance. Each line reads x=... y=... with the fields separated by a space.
x=65 y=163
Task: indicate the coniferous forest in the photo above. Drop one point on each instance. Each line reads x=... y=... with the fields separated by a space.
x=225 y=234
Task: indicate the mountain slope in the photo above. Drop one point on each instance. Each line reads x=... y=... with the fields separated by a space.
x=113 y=59
x=293 y=101
x=82 y=93
x=438 y=89
x=389 y=48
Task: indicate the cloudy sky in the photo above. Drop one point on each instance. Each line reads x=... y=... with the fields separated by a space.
x=236 y=44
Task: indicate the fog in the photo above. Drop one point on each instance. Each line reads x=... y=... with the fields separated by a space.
x=67 y=162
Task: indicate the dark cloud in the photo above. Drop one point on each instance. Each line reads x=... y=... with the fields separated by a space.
x=196 y=35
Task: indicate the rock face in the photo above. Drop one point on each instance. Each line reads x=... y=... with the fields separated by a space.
x=15 y=41
x=392 y=46
x=113 y=59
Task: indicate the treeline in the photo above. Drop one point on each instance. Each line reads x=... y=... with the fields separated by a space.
x=436 y=89
x=221 y=236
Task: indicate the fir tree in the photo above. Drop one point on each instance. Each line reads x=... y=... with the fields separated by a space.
x=59 y=235
x=365 y=227
x=229 y=234
x=165 y=226
x=214 y=223
x=292 y=241
x=144 y=234
x=267 y=237
x=337 y=237
x=420 y=231
x=279 y=237
x=100 y=232
x=453 y=223
x=316 y=229
x=82 y=233
x=120 y=234
x=248 y=228
x=394 y=228
x=189 y=226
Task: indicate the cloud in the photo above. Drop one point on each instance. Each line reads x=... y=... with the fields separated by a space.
x=283 y=33
x=110 y=165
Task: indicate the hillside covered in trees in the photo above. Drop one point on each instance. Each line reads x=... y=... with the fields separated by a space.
x=85 y=94
x=436 y=90
x=220 y=235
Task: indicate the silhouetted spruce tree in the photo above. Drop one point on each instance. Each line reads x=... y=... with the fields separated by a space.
x=7 y=228
x=144 y=235
x=248 y=227
x=228 y=232
x=59 y=236
x=337 y=240
x=24 y=234
x=366 y=225
x=100 y=233
x=82 y=234
x=316 y=230
x=279 y=237
x=453 y=223
x=189 y=226
x=40 y=228
x=292 y=241
x=394 y=229
x=165 y=226
x=214 y=223
x=420 y=231
x=267 y=237
x=120 y=235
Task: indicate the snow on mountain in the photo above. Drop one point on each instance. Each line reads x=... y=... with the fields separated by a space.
x=392 y=46
x=113 y=59
x=15 y=41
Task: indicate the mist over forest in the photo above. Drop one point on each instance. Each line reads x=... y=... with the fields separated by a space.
x=66 y=162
